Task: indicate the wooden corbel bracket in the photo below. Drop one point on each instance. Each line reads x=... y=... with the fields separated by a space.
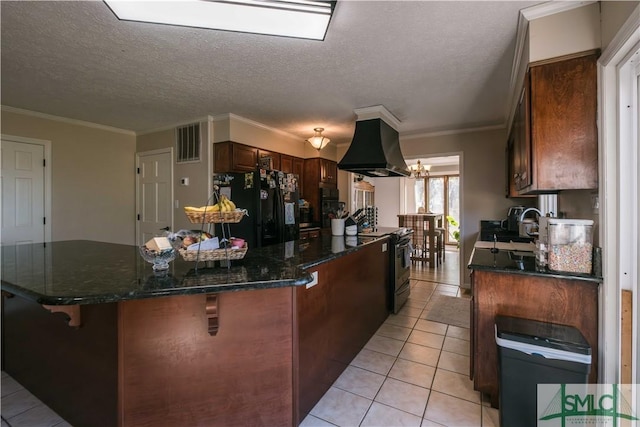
x=212 y=313
x=73 y=311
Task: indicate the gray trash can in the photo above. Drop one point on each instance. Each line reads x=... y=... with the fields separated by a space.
x=532 y=353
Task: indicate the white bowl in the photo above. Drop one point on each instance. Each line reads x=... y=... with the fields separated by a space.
x=351 y=230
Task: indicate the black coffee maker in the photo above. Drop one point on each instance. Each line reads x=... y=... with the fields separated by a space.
x=513 y=218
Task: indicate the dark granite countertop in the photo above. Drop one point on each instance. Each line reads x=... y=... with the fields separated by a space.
x=519 y=262
x=88 y=272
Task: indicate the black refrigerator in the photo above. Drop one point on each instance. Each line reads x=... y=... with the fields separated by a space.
x=271 y=199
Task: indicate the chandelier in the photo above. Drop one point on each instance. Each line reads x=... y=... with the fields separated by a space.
x=420 y=171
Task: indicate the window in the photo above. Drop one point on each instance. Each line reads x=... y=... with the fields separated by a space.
x=442 y=195
x=188 y=143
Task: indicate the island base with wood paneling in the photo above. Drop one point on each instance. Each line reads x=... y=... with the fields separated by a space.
x=260 y=356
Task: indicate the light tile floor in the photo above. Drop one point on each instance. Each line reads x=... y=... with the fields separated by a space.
x=412 y=372
x=22 y=409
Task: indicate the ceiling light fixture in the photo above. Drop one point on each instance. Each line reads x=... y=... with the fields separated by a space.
x=304 y=19
x=420 y=171
x=318 y=141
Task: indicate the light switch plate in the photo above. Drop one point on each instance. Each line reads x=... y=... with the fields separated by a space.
x=384 y=247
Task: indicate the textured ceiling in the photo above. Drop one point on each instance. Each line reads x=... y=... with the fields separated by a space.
x=435 y=65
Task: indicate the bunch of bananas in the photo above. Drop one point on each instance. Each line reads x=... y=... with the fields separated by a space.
x=223 y=205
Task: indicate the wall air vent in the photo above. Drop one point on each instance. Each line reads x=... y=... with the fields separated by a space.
x=188 y=143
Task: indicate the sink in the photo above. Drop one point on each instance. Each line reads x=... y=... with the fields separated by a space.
x=520 y=255
x=508 y=246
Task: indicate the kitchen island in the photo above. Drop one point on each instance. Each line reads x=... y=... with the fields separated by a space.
x=509 y=283
x=256 y=344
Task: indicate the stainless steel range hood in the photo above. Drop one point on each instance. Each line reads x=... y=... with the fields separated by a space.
x=374 y=151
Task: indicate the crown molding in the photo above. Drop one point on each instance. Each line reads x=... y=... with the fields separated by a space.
x=229 y=116
x=9 y=109
x=452 y=132
x=552 y=8
x=377 y=112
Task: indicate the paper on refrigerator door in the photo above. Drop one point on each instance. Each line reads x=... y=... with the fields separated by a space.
x=289 y=214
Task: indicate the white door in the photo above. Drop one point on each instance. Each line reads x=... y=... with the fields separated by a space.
x=23 y=186
x=154 y=193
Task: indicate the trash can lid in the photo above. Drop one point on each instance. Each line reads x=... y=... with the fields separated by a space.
x=542 y=334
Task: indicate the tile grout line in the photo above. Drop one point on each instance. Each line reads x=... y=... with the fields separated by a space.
x=440 y=350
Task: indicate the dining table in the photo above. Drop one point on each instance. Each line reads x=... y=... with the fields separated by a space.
x=424 y=227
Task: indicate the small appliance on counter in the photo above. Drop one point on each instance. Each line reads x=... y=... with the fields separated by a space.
x=495 y=227
x=513 y=218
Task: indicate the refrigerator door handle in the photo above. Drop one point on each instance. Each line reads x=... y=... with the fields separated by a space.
x=280 y=207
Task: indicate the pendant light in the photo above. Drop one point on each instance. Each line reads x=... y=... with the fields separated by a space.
x=318 y=141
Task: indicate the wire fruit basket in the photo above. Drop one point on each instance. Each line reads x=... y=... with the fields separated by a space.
x=224 y=213
x=215 y=217
x=214 y=254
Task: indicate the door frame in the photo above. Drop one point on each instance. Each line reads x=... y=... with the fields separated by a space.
x=168 y=150
x=618 y=202
x=46 y=144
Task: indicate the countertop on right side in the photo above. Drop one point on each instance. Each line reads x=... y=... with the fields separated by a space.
x=516 y=258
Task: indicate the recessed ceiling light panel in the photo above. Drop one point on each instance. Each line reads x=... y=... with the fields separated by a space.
x=289 y=18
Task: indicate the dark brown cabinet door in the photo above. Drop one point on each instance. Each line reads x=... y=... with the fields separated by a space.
x=561 y=114
x=286 y=163
x=511 y=190
x=328 y=171
x=275 y=158
x=244 y=158
x=311 y=185
x=549 y=299
x=522 y=142
x=233 y=157
x=298 y=169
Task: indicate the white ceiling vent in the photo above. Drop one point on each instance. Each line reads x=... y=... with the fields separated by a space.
x=188 y=143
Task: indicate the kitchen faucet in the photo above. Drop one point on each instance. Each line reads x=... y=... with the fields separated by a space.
x=527 y=210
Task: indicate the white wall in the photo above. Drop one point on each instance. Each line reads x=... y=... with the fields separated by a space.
x=92 y=174
x=613 y=15
x=576 y=30
x=388 y=199
x=482 y=173
x=199 y=173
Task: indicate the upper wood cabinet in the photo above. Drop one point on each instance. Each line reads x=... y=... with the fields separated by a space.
x=328 y=171
x=318 y=170
x=555 y=136
x=286 y=163
x=318 y=173
x=298 y=166
x=294 y=165
x=233 y=157
x=275 y=158
x=298 y=169
x=519 y=149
